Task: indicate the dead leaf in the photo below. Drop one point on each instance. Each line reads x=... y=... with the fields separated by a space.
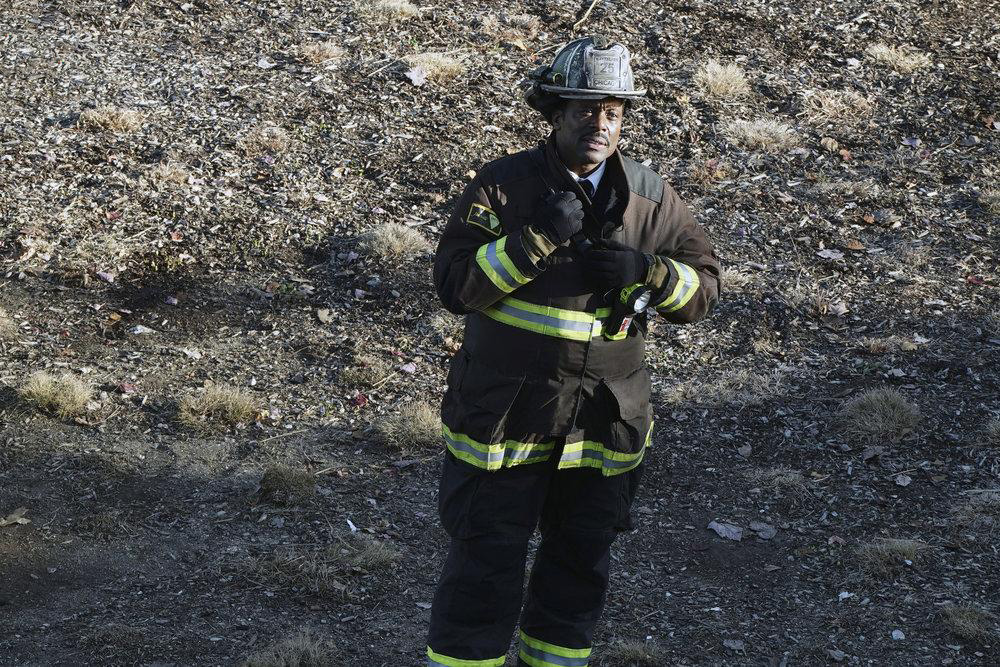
x=734 y=644
x=765 y=531
x=903 y=480
x=727 y=530
x=829 y=143
x=838 y=309
x=745 y=451
x=417 y=75
x=831 y=253
x=324 y=316
x=855 y=244
x=15 y=518
x=911 y=141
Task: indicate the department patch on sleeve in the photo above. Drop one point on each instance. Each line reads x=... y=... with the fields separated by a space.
x=483 y=216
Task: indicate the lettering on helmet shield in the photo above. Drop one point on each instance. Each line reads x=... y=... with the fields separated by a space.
x=483 y=216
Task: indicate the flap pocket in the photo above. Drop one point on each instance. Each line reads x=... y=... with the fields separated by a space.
x=631 y=393
x=478 y=400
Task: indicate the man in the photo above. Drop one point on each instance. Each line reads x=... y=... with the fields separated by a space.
x=547 y=413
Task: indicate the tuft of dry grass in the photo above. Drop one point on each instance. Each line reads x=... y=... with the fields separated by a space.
x=980 y=513
x=96 y=252
x=632 y=653
x=8 y=327
x=783 y=480
x=265 y=140
x=763 y=133
x=110 y=119
x=884 y=345
x=302 y=650
x=741 y=388
x=971 y=623
x=734 y=279
x=879 y=414
x=417 y=426
x=990 y=200
x=709 y=171
x=511 y=27
x=721 y=82
x=439 y=67
x=446 y=324
x=886 y=556
x=903 y=59
x=395 y=241
x=170 y=172
x=63 y=395
x=324 y=571
x=843 y=107
x=388 y=9
x=365 y=371
x=286 y=485
x=218 y=404
x=319 y=53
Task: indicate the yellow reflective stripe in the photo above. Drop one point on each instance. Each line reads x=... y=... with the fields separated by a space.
x=552 y=311
x=494 y=456
x=552 y=649
x=504 y=258
x=548 y=320
x=435 y=659
x=687 y=284
x=593 y=454
x=490 y=269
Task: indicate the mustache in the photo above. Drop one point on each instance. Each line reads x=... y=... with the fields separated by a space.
x=594 y=137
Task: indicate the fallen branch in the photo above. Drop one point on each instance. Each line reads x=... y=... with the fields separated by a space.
x=585 y=16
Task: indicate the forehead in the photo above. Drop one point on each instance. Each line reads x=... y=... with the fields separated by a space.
x=606 y=103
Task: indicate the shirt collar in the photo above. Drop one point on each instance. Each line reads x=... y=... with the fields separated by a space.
x=594 y=177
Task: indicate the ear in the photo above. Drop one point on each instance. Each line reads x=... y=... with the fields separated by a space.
x=556 y=119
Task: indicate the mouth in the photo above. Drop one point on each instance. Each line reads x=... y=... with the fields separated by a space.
x=594 y=143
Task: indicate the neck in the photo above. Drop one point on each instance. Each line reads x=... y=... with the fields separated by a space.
x=581 y=170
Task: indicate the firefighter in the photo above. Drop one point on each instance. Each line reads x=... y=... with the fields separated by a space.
x=555 y=255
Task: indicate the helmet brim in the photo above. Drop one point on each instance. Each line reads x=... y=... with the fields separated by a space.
x=591 y=94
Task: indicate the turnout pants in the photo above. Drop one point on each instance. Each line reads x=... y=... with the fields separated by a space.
x=490 y=517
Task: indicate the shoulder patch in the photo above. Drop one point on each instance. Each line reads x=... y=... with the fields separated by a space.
x=485 y=217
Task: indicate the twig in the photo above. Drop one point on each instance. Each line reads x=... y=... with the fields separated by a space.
x=282 y=435
x=965 y=493
x=586 y=15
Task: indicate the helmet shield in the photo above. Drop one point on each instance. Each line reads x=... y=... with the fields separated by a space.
x=588 y=68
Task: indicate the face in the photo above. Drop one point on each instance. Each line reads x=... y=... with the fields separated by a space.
x=587 y=131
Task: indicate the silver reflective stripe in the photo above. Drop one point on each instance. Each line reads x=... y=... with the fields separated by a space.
x=487 y=458
x=552 y=658
x=431 y=662
x=545 y=320
x=686 y=274
x=520 y=455
x=598 y=455
x=491 y=257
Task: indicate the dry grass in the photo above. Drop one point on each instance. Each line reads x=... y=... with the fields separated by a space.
x=302 y=650
x=879 y=414
x=170 y=172
x=990 y=437
x=324 y=571
x=265 y=140
x=97 y=252
x=785 y=481
x=110 y=119
x=217 y=404
x=365 y=371
x=886 y=556
x=903 y=59
x=439 y=67
x=8 y=327
x=990 y=200
x=709 y=171
x=446 y=324
x=971 y=623
x=416 y=427
x=980 y=513
x=632 y=653
x=864 y=189
x=742 y=388
x=721 y=82
x=841 y=107
x=320 y=53
x=63 y=395
x=762 y=134
x=396 y=241
x=735 y=279
x=511 y=27
x=388 y=9
x=285 y=485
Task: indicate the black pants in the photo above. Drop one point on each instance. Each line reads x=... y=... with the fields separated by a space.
x=490 y=517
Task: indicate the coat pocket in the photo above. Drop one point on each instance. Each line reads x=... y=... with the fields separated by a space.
x=629 y=414
x=478 y=399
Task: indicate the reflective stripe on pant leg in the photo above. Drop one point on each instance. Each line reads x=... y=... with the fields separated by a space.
x=440 y=660
x=591 y=454
x=542 y=654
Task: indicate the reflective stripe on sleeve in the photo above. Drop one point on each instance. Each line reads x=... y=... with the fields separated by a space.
x=435 y=659
x=542 y=654
x=547 y=320
x=591 y=454
x=687 y=285
x=494 y=456
x=498 y=267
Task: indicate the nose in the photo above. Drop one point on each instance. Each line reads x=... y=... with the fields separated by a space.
x=599 y=122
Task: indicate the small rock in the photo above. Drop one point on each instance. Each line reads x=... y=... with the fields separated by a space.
x=734 y=644
x=727 y=530
x=140 y=329
x=897 y=635
x=745 y=451
x=836 y=655
x=903 y=480
x=765 y=531
x=409 y=368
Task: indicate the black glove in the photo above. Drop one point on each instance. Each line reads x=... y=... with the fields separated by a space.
x=559 y=217
x=613 y=265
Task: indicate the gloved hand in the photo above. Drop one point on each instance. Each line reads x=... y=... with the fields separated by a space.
x=613 y=265
x=559 y=217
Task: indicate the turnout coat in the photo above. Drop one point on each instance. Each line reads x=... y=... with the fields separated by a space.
x=535 y=377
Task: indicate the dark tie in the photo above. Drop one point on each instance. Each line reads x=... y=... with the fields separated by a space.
x=588 y=188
